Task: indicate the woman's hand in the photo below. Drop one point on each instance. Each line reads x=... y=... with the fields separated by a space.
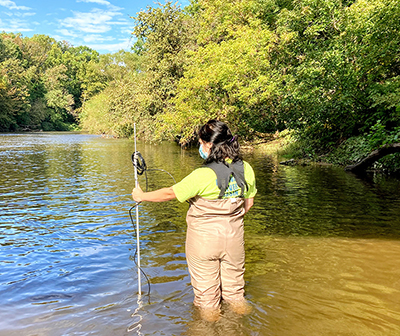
x=137 y=194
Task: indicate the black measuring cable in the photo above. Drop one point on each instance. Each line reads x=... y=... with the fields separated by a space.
x=141 y=168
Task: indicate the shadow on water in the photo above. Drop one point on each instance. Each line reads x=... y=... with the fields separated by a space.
x=325 y=201
x=322 y=245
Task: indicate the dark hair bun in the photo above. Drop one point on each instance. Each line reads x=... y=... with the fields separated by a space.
x=224 y=144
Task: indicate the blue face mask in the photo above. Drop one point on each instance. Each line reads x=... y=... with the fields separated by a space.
x=202 y=154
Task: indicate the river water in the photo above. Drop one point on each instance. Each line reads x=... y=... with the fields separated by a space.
x=322 y=246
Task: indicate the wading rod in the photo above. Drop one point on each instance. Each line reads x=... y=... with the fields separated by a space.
x=137 y=217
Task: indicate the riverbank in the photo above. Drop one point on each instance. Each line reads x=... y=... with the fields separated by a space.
x=281 y=145
x=291 y=151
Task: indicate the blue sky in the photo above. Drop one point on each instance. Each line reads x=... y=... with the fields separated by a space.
x=103 y=25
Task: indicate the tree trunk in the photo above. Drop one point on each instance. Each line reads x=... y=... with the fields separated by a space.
x=373 y=157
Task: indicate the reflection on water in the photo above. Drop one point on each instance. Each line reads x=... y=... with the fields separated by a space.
x=325 y=286
x=322 y=246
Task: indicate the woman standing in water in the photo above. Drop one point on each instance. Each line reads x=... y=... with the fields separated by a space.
x=220 y=193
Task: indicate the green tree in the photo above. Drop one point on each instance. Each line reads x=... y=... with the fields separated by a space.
x=166 y=32
x=341 y=61
x=15 y=94
x=57 y=97
x=327 y=69
x=230 y=75
x=43 y=81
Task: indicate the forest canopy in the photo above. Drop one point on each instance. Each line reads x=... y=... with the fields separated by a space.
x=328 y=71
x=42 y=82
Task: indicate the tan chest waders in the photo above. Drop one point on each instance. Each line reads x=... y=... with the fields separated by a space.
x=215 y=246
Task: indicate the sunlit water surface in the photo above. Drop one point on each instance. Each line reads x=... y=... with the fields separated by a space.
x=322 y=246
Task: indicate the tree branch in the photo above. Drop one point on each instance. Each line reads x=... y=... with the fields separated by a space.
x=373 y=157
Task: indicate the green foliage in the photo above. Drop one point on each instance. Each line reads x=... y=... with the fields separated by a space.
x=115 y=109
x=42 y=82
x=94 y=116
x=379 y=135
x=230 y=75
x=142 y=84
x=389 y=163
x=166 y=33
x=328 y=70
x=357 y=148
x=350 y=151
x=335 y=84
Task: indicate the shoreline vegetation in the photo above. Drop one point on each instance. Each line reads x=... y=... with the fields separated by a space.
x=320 y=79
x=288 y=151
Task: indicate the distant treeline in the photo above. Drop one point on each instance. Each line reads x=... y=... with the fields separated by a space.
x=326 y=70
x=42 y=82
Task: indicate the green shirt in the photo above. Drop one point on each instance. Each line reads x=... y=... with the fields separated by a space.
x=203 y=182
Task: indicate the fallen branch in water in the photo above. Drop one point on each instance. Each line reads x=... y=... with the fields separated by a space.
x=373 y=157
x=290 y=162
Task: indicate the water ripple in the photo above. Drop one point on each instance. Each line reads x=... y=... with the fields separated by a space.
x=322 y=247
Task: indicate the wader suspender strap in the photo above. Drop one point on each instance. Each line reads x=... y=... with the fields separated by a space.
x=224 y=173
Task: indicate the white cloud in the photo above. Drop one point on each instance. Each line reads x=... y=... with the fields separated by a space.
x=15 y=25
x=97 y=38
x=113 y=47
x=96 y=21
x=18 y=14
x=66 y=32
x=15 y=29
x=121 y=23
x=26 y=14
x=100 y=2
x=12 y=5
x=127 y=31
x=96 y=28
